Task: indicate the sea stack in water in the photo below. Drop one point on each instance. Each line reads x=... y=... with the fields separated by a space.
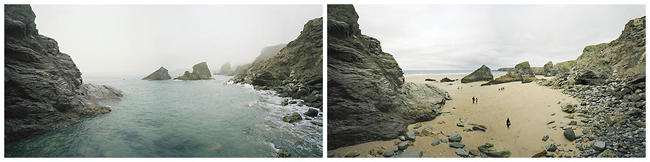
x=295 y=71
x=225 y=69
x=367 y=98
x=160 y=74
x=522 y=72
x=200 y=71
x=481 y=74
x=42 y=85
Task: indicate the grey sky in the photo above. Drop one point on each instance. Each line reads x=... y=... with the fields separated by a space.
x=138 y=39
x=462 y=37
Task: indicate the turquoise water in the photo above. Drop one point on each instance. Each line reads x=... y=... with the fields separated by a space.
x=207 y=118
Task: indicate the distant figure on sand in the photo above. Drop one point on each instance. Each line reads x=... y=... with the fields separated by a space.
x=473 y=100
x=476 y=100
x=508 y=122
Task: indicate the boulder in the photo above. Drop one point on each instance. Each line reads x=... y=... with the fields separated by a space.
x=311 y=112
x=599 y=145
x=430 y=80
x=446 y=80
x=548 y=69
x=504 y=153
x=551 y=147
x=455 y=138
x=293 y=117
x=545 y=138
x=368 y=99
x=402 y=146
x=200 y=71
x=42 y=88
x=456 y=145
x=568 y=108
x=462 y=153
x=160 y=74
x=410 y=154
x=569 y=134
x=389 y=153
x=481 y=74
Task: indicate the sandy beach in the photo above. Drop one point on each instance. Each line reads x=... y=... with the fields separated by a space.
x=529 y=106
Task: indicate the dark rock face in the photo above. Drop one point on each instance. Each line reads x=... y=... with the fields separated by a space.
x=367 y=98
x=481 y=74
x=200 y=71
x=42 y=85
x=446 y=80
x=100 y=92
x=522 y=72
x=296 y=71
x=160 y=74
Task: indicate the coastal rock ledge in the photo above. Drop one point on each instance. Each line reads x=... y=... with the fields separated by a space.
x=368 y=99
x=481 y=74
x=43 y=87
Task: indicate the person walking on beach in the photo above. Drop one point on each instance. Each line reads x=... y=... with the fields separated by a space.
x=508 y=122
x=476 y=100
x=473 y=99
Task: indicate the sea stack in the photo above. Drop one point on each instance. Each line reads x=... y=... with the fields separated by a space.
x=295 y=71
x=160 y=74
x=368 y=99
x=225 y=69
x=481 y=74
x=548 y=69
x=42 y=85
x=200 y=71
x=522 y=72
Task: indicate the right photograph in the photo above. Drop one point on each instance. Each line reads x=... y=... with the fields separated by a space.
x=461 y=81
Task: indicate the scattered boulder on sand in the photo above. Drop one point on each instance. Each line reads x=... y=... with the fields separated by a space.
x=411 y=154
x=430 y=80
x=446 y=80
x=551 y=147
x=481 y=74
x=160 y=74
x=569 y=134
x=200 y=71
x=568 y=108
x=462 y=153
x=455 y=138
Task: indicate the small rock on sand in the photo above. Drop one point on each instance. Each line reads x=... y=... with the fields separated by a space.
x=402 y=146
x=462 y=153
x=545 y=138
x=456 y=145
x=455 y=138
x=410 y=154
x=569 y=134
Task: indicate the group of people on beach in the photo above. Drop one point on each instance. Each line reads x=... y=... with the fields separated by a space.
x=474 y=100
x=502 y=88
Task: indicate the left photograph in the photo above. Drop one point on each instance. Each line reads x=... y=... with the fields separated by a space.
x=163 y=80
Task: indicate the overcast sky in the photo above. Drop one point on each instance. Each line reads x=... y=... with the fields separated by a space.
x=138 y=39
x=463 y=37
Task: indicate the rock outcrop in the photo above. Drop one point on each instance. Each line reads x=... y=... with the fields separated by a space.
x=268 y=52
x=160 y=74
x=368 y=99
x=608 y=80
x=522 y=72
x=225 y=69
x=548 y=69
x=295 y=71
x=42 y=85
x=200 y=71
x=481 y=74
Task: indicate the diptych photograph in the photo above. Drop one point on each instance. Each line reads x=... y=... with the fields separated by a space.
x=250 y=80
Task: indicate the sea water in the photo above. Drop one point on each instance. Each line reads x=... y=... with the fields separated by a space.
x=204 y=118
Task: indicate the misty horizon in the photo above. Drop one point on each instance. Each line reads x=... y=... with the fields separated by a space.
x=464 y=37
x=136 y=40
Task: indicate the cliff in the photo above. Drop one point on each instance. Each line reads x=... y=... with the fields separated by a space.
x=42 y=85
x=295 y=71
x=368 y=99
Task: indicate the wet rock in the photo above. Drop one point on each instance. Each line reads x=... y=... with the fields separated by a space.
x=550 y=122
x=293 y=117
x=545 y=138
x=283 y=153
x=311 y=112
x=456 y=145
x=504 y=153
x=462 y=153
x=430 y=80
x=389 y=153
x=410 y=135
x=435 y=143
x=487 y=147
x=474 y=152
x=455 y=138
x=479 y=127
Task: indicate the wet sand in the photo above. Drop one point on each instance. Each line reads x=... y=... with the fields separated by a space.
x=528 y=106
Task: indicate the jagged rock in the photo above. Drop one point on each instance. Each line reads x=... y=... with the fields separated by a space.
x=368 y=99
x=295 y=71
x=545 y=138
x=42 y=84
x=389 y=153
x=481 y=74
x=551 y=147
x=293 y=117
x=160 y=74
x=522 y=72
x=100 y=92
x=200 y=71
x=402 y=146
x=599 y=145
